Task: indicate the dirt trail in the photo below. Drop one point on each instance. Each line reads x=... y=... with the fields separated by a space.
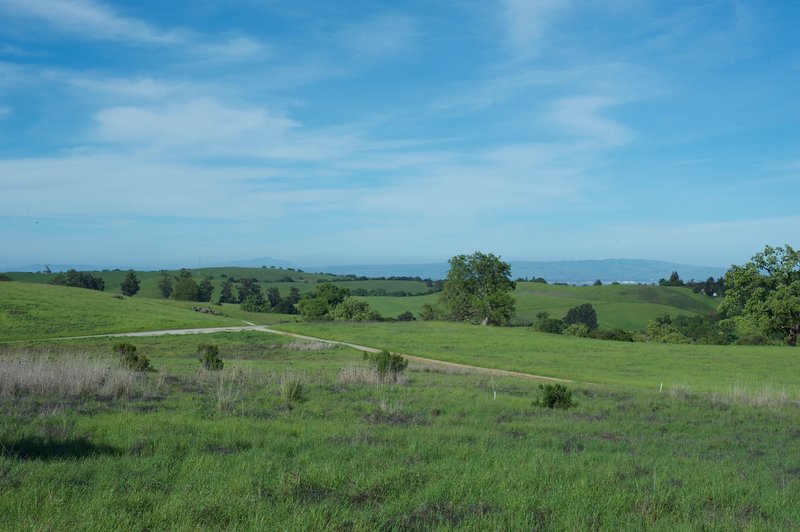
x=265 y=329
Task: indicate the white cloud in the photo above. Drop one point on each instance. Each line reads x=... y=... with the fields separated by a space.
x=200 y=124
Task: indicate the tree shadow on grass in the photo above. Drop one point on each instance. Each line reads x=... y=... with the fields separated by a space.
x=34 y=448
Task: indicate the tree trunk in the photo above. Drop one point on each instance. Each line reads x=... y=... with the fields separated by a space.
x=794 y=331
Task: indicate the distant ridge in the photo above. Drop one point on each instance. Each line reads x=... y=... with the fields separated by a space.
x=565 y=271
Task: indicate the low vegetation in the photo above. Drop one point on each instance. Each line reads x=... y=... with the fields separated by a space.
x=241 y=448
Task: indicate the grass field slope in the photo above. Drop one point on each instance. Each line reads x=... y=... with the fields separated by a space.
x=628 y=307
x=43 y=311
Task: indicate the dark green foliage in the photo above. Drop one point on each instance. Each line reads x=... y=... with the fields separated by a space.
x=130 y=359
x=710 y=287
x=226 y=293
x=287 y=305
x=205 y=289
x=351 y=309
x=79 y=280
x=765 y=293
x=544 y=323
x=255 y=303
x=165 y=285
x=479 y=289
x=209 y=356
x=617 y=335
x=185 y=287
x=598 y=283
x=273 y=296
x=430 y=312
x=130 y=285
x=247 y=288
x=4 y=277
x=319 y=304
x=554 y=396
x=406 y=316
x=674 y=280
x=582 y=314
x=387 y=364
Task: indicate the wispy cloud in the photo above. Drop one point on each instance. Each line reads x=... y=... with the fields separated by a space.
x=89 y=19
x=201 y=124
x=582 y=116
x=381 y=36
x=528 y=22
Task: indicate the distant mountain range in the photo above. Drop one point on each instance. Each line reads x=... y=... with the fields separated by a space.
x=562 y=271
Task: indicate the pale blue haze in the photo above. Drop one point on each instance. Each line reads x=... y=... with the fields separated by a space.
x=141 y=133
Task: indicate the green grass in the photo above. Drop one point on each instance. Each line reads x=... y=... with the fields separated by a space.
x=625 y=307
x=439 y=452
x=44 y=311
x=622 y=364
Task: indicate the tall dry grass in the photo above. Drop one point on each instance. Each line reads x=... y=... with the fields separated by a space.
x=360 y=374
x=70 y=377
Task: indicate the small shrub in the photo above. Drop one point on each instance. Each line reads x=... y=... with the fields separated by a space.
x=555 y=396
x=209 y=357
x=291 y=386
x=576 y=329
x=406 y=316
x=388 y=365
x=130 y=359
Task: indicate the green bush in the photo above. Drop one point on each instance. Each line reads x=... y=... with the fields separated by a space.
x=130 y=359
x=555 y=396
x=209 y=356
x=387 y=364
x=406 y=316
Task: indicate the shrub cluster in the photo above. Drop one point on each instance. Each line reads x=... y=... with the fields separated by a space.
x=555 y=396
x=209 y=357
x=130 y=358
x=388 y=365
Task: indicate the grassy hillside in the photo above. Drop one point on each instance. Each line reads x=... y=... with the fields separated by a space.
x=626 y=307
x=267 y=277
x=44 y=311
x=639 y=365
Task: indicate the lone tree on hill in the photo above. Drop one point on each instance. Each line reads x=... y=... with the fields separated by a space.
x=766 y=292
x=478 y=289
x=165 y=285
x=130 y=285
x=582 y=314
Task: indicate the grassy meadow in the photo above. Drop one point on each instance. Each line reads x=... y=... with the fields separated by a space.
x=185 y=448
x=704 y=368
x=299 y=434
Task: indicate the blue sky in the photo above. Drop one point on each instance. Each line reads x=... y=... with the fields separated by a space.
x=397 y=132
